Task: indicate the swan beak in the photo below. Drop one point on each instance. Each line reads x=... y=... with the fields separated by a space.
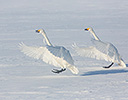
x=37 y=31
x=87 y=29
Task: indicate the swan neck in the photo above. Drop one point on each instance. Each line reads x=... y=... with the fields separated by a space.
x=95 y=36
x=46 y=38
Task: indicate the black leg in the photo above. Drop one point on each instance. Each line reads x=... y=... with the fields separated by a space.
x=58 y=71
x=109 y=65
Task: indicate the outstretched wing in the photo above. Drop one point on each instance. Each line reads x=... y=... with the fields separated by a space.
x=91 y=52
x=34 y=52
x=108 y=49
x=39 y=53
x=101 y=46
x=57 y=56
x=61 y=52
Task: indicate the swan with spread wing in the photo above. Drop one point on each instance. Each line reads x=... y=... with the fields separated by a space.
x=101 y=51
x=57 y=56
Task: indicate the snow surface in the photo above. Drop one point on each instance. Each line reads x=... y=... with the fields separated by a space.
x=23 y=78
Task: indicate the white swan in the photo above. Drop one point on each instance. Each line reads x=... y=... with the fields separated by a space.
x=54 y=55
x=101 y=51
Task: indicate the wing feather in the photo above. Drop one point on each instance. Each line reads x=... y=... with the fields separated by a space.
x=91 y=52
x=39 y=53
x=101 y=46
x=57 y=56
x=34 y=52
x=108 y=49
x=61 y=52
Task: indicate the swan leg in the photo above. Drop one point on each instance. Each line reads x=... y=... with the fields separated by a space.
x=58 y=71
x=109 y=65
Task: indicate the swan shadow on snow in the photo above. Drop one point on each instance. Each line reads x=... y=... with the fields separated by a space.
x=103 y=72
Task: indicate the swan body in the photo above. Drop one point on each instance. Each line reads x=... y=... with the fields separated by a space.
x=57 y=56
x=101 y=51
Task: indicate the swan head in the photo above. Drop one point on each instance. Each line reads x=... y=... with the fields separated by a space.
x=88 y=29
x=40 y=31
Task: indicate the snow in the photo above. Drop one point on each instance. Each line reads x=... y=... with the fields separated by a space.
x=23 y=78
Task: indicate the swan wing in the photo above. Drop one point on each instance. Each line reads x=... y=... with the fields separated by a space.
x=34 y=52
x=91 y=52
x=61 y=52
x=57 y=56
x=101 y=46
x=39 y=53
x=108 y=49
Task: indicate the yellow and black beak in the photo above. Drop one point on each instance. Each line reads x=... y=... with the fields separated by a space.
x=38 y=31
x=87 y=29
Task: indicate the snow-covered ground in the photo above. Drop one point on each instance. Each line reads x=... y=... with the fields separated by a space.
x=23 y=78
